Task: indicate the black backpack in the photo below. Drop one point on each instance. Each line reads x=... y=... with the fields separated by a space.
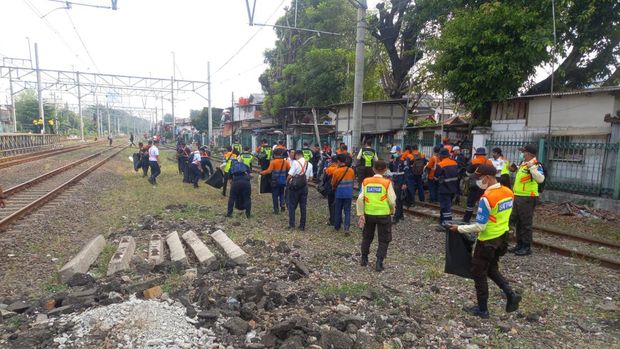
x=418 y=164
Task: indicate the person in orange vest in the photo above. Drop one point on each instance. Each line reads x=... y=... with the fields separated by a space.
x=228 y=156
x=278 y=167
x=375 y=205
x=447 y=179
x=480 y=158
x=431 y=166
x=447 y=145
x=342 y=183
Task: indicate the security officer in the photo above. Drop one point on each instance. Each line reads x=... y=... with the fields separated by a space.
x=264 y=154
x=366 y=156
x=342 y=178
x=492 y=227
x=398 y=166
x=307 y=152
x=241 y=189
x=375 y=204
x=186 y=158
x=278 y=167
x=480 y=158
x=229 y=155
x=528 y=176
x=195 y=167
x=247 y=157
x=316 y=158
x=447 y=179
x=237 y=146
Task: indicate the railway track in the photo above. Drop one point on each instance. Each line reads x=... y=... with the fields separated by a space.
x=23 y=158
x=603 y=252
x=32 y=194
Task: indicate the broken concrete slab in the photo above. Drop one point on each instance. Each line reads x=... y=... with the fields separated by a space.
x=121 y=259
x=82 y=261
x=177 y=254
x=156 y=250
x=202 y=252
x=234 y=252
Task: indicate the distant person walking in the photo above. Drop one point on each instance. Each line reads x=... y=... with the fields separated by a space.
x=110 y=139
x=154 y=162
x=131 y=144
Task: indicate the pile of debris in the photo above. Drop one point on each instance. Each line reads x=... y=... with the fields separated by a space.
x=568 y=208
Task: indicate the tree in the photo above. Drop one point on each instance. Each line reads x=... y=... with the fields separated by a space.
x=487 y=53
x=200 y=118
x=167 y=117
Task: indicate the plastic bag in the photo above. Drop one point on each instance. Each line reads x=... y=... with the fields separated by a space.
x=459 y=248
x=216 y=180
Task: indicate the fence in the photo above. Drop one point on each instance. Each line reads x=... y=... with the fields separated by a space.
x=13 y=144
x=577 y=164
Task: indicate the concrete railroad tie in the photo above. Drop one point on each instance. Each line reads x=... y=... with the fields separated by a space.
x=156 y=250
x=121 y=259
x=201 y=250
x=82 y=261
x=177 y=254
x=234 y=252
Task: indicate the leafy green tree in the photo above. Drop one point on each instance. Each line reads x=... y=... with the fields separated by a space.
x=200 y=118
x=487 y=53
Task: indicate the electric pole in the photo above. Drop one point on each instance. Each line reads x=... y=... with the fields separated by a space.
x=358 y=85
x=209 y=101
x=172 y=79
x=39 y=90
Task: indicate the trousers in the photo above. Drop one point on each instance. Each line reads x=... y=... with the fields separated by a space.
x=433 y=187
x=415 y=183
x=383 y=224
x=331 y=198
x=155 y=170
x=474 y=196
x=445 y=207
x=195 y=173
x=339 y=206
x=484 y=264
x=277 y=197
x=240 y=190
x=296 y=198
x=523 y=218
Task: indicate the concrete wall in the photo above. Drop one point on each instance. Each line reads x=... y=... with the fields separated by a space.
x=575 y=111
x=375 y=118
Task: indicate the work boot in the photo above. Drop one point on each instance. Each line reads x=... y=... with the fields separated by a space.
x=512 y=301
x=196 y=185
x=364 y=261
x=379 y=265
x=483 y=314
x=523 y=251
x=515 y=248
x=282 y=208
x=395 y=220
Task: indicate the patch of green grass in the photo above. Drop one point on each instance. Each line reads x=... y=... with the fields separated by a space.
x=432 y=266
x=346 y=289
x=104 y=260
x=15 y=323
x=173 y=282
x=53 y=284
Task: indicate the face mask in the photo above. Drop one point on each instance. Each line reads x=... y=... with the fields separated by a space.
x=395 y=156
x=481 y=185
x=521 y=157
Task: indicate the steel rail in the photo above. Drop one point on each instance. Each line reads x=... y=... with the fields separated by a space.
x=5 y=222
x=40 y=155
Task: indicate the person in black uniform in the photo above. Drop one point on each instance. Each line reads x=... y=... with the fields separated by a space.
x=398 y=166
x=241 y=189
x=205 y=162
x=185 y=160
x=447 y=177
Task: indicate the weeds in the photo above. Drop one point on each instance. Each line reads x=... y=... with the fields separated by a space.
x=104 y=260
x=346 y=289
x=53 y=284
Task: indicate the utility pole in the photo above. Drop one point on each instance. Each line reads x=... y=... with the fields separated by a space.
x=80 y=106
x=97 y=116
x=29 y=51
x=232 y=116
x=39 y=90
x=172 y=79
x=13 y=112
x=107 y=107
x=358 y=85
x=209 y=103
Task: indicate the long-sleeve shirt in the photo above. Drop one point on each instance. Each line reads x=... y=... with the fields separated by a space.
x=277 y=165
x=482 y=218
x=431 y=166
x=342 y=178
x=535 y=170
x=391 y=199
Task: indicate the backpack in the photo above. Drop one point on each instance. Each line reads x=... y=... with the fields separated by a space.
x=238 y=167
x=418 y=164
x=541 y=186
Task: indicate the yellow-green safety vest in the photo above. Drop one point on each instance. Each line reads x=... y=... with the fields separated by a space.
x=237 y=146
x=500 y=200
x=505 y=170
x=229 y=163
x=247 y=159
x=376 y=196
x=368 y=155
x=267 y=151
x=307 y=153
x=525 y=185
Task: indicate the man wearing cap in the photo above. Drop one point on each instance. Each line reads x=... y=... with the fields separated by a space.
x=416 y=165
x=375 y=204
x=528 y=176
x=398 y=166
x=480 y=158
x=447 y=177
x=501 y=165
x=492 y=227
x=366 y=157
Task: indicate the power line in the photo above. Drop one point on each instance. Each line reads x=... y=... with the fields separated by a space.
x=241 y=74
x=250 y=39
x=82 y=41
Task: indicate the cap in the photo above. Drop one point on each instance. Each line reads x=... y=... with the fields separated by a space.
x=481 y=151
x=485 y=170
x=444 y=152
x=530 y=148
x=395 y=149
x=456 y=147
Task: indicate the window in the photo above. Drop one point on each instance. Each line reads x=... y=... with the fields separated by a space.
x=565 y=149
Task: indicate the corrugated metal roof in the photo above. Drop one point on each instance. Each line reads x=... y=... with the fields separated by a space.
x=571 y=93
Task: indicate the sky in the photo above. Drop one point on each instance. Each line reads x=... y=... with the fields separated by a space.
x=139 y=37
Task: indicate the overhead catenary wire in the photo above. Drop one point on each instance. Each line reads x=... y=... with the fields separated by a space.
x=250 y=39
x=77 y=32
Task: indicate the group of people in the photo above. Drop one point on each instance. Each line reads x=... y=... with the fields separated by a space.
x=147 y=158
x=194 y=165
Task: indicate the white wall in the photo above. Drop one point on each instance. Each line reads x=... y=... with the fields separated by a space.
x=575 y=111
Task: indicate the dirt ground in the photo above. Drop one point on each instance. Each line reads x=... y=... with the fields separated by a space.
x=567 y=303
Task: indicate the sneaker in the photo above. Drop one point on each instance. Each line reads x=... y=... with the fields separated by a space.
x=479 y=313
x=515 y=248
x=229 y=215
x=282 y=208
x=379 y=265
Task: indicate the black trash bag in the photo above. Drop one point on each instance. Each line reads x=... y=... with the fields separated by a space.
x=216 y=180
x=265 y=183
x=136 y=161
x=459 y=249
